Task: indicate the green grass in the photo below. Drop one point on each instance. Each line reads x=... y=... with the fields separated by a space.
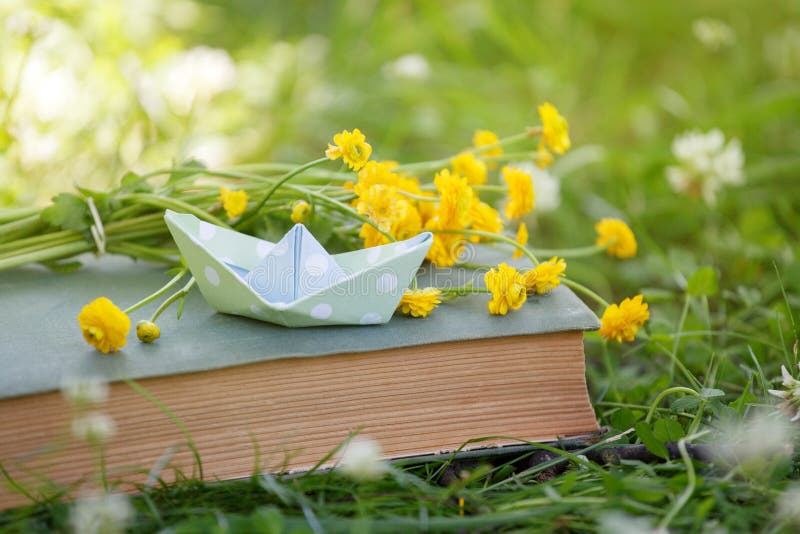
x=629 y=76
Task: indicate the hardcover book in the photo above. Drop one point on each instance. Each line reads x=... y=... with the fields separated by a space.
x=254 y=395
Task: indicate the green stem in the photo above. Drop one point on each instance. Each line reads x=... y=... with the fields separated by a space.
x=691 y=481
x=173 y=204
x=13 y=214
x=54 y=253
x=677 y=341
x=277 y=185
x=444 y=162
x=462 y=290
x=158 y=293
x=577 y=252
x=175 y=296
x=493 y=237
x=586 y=291
x=668 y=391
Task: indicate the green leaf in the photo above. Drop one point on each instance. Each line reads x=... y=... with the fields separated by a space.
x=68 y=212
x=62 y=266
x=652 y=443
x=668 y=430
x=703 y=282
x=685 y=404
x=710 y=393
x=133 y=183
x=746 y=398
x=624 y=419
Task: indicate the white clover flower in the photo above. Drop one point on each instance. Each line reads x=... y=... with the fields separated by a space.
x=94 y=428
x=790 y=396
x=409 y=66
x=195 y=76
x=714 y=34
x=361 y=459
x=101 y=514
x=705 y=164
x=789 y=505
x=546 y=186
x=752 y=443
x=84 y=391
x=617 y=522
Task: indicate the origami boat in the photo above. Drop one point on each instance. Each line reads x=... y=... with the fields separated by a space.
x=295 y=282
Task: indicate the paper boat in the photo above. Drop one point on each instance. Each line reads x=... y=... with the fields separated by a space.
x=295 y=282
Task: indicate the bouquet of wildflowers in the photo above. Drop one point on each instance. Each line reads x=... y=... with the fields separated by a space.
x=365 y=203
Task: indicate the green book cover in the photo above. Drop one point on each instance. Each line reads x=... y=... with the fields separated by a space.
x=41 y=344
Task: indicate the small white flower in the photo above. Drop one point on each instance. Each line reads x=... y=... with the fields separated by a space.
x=705 y=164
x=616 y=522
x=94 y=427
x=409 y=66
x=789 y=505
x=106 y=514
x=361 y=459
x=713 y=34
x=82 y=391
x=755 y=441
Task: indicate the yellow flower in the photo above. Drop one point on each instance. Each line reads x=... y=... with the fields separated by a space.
x=486 y=138
x=520 y=192
x=522 y=239
x=617 y=237
x=467 y=165
x=446 y=248
x=104 y=326
x=452 y=213
x=484 y=218
x=455 y=199
x=623 y=322
x=234 y=202
x=394 y=214
x=543 y=157
x=420 y=302
x=301 y=210
x=351 y=147
x=147 y=331
x=375 y=172
x=555 y=130
x=507 y=287
x=545 y=277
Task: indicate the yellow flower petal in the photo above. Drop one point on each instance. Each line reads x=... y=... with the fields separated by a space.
x=522 y=239
x=507 y=287
x=521 y=195
x=104 y=325
x=351 y=147
x=555 y=130
x=617 y=237
x=234 y=202
x=622 y=322
x=420 y=302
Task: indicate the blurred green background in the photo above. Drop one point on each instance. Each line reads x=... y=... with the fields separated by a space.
x=92 y=88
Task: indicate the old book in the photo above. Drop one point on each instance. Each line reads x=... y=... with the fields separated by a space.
x=417 y=386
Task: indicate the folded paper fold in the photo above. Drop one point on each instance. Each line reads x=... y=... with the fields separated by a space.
x=295 y=282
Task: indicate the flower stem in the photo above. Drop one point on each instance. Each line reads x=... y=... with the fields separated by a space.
x=175 y=296
x=277 y=185
x=577 y=252
x=493 y=237
x=668 y=391
x=586 y=291
x=158 y=293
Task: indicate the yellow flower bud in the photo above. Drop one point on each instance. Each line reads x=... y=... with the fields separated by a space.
x=301 y=210
x=147 y=331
